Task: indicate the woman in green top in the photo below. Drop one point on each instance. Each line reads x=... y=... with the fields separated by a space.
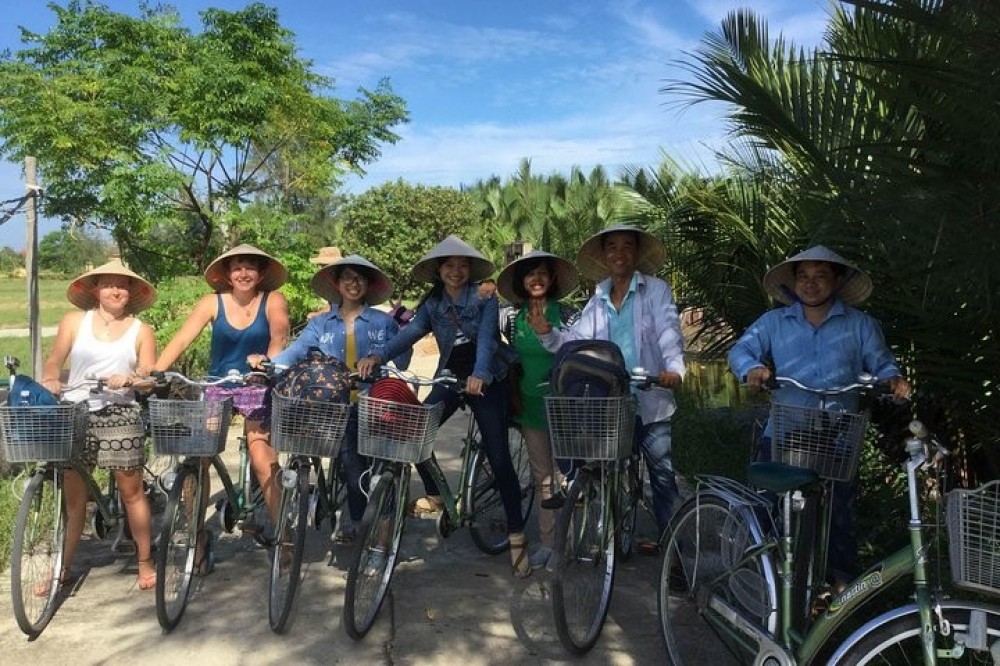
x=535 y=283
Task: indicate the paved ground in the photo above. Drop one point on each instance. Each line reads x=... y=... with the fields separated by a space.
x=449 y=604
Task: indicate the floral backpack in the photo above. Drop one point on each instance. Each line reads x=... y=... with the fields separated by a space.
x=316 y=377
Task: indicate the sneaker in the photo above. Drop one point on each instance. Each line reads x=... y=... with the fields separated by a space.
x=540 y=557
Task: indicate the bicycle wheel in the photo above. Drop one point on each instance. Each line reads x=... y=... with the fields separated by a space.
x=703 y=556
x=629 y=497
x=37 y=554
x=482 y=496
x=177 y=545
x=585 y=564
x=898 y=640
x=375 y=555
x=289 y=545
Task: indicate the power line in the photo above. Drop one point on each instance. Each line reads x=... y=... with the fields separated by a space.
x=6 y=214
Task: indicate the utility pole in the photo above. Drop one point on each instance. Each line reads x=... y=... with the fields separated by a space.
x=31 y=265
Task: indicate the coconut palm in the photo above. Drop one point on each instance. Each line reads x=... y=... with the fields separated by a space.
x=884 y=145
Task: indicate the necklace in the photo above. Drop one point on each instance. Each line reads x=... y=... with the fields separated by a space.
x=249 y=307
x=107 y=322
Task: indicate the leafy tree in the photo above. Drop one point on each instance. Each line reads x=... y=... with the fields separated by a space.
x=69 y=252
x=10 y=259
x=158 y=134
x=394 y=224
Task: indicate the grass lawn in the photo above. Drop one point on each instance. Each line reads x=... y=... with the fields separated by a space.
x=52 y=303
x=19 y=347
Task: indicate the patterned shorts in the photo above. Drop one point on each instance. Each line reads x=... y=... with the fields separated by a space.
x=253 y=402
x=116 y=438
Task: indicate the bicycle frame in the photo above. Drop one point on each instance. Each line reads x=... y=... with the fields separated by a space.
x=788 y=647
x=453 y=503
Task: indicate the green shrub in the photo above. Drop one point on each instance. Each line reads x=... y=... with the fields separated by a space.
x=711 y=440
x=8 y=514
x=175 y=300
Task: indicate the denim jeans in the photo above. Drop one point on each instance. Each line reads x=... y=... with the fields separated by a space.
x=353 y=464
x=491 y=413
x=842 y=554
x=655 y=442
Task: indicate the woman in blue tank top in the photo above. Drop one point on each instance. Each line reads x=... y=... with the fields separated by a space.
x=248 y=316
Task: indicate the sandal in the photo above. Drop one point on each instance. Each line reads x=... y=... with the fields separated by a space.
x=146 y=581
x=425 y=506
x=520 y=565
x=205 y=564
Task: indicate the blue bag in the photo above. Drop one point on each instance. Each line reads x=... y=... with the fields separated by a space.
x=27 y=392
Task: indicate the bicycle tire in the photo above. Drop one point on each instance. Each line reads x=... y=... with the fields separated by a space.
x=585 y=564
x=289 y=546
x=898 y=641
x=38 y=551
x=178 y=543
x=696 y=562
x=629 y=497
x=375 y=555
x=488 y=528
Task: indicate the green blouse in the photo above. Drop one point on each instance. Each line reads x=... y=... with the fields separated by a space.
x=537 y=364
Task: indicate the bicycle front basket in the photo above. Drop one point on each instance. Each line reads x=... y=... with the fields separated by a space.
x=189 y=427
x=307 y=427
x=591 y=428
x=974 y=537
x=397 y=431
x=43 y=432
x=825 y=441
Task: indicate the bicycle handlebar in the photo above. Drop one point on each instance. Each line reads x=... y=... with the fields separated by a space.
x=920 y=443
x=865 y=381
x=160 y=377
x=445 y=378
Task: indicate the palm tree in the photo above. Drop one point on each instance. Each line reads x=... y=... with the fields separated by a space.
x=884 y=145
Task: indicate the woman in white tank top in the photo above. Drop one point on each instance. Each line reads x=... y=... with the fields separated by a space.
x=105 y=340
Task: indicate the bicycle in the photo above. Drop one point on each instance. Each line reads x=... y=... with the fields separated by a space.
x=596 y=525
x=195 y=431
x=304 y=431
x=729 y=589
x=403 y=435
x=48 y=440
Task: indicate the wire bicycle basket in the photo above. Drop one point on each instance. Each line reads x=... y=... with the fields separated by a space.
x=823 y=440
x=591 y=428
x=189 y=427
x=312 y=428
x=397 y=431
x=973 y=518
x=42 y=432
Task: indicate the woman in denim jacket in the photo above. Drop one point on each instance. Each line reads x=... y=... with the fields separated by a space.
x=350 y=330
x=466 y=330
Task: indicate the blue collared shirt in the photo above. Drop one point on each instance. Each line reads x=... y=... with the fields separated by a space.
x=846 y=344
x=620 y=321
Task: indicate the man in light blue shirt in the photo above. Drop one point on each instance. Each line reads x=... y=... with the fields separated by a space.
x=823 y=342
x=636 y=311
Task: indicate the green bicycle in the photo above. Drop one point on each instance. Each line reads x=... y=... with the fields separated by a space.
x=739 y=579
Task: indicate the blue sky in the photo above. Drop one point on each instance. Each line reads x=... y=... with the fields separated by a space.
x=489 y=83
